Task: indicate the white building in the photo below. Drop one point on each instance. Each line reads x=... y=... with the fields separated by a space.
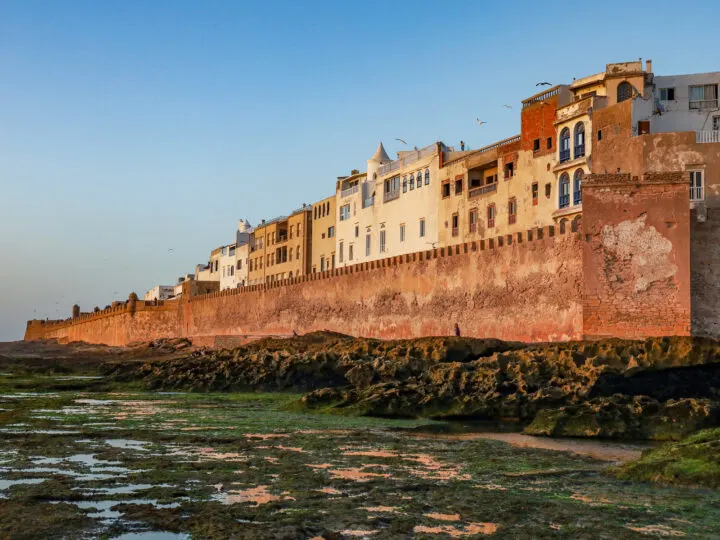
x=391 y=209
x=160 y=292
x=177 y=288
x=227 y=261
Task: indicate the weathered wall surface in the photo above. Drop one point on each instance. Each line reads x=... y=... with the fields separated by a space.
x=636 y=256
x=705 y=277
x=521 y=287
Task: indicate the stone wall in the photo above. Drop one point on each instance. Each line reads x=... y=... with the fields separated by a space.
x=636 y=257
x=705 y=277
x=525 y=286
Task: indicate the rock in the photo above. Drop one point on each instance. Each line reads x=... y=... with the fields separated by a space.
x=694 y=461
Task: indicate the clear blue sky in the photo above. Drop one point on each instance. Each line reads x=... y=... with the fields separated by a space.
x=131 y=127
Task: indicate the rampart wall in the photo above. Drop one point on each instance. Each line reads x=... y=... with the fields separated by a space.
x=526 y=286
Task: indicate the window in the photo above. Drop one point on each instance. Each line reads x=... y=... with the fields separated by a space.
x=367 y=245
x=402 y=232
x=512 y=210
x=297 y=253
x=350 y=252
x=475 y=182
x=382 y=241
x=536 y=145
x=577 y=186
x=667 y=94
x=491 y=179
x=232 y=270
x=455 y=224
x=412 y=182
x=404 y=184
x=472 y=219
x=579 y=140
x=624 y=91
x=564 y=200
x=534 y=190
x=599 y=134
x=549 y=143
x=239 y=265
x=509 y=169
x=704 y=97
x=357 y=231
x=716 y=123
x=344 y=212
x=564 y=145
x=427 y=177
x=299 y=230
x=697 y=191
x=458 y=186
x=419 y=179
x=422 y=227
x=322 y=264
x=331 y=232
x=491 y=215
x=446 y=189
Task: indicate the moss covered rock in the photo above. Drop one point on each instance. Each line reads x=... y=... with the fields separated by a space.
x=694 y=461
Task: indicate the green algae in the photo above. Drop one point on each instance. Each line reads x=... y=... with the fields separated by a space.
x=251 y=465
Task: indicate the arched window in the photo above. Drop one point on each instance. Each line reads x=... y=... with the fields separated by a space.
x=427 y=177
x=579 y=140
x=564 y=145
x=419 y=179
x=624 y=91
x=412 y=182
x=577 y=186
x=564 y=191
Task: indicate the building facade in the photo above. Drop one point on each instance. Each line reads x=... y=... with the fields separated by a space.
x=160 y=292
x=324 y=224
x=280 y=248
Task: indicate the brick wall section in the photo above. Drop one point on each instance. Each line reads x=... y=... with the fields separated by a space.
x=636 y=256
x=537 y=121
x=517 y=287
x=705 y=277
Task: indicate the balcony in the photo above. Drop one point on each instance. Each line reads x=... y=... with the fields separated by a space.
x=579 y=151
x=368 y=202
x=349 y=191
x=473 y=227
x=512 y=218
x=703 y=104
x=707 y=136
x=491 y=223
x=564 y=155
x=476 y=192
x=391 y=195
x=408 y=158
x=455 y=231
x=281 y=238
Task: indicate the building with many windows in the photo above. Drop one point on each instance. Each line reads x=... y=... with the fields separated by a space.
x=324 y=224
x=281 y=248
x=391 y=209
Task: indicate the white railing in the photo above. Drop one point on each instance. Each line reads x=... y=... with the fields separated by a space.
x=707 y=136
x=411 y=157
x=349 y=191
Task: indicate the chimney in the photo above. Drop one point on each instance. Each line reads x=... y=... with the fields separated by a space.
x=648 y=66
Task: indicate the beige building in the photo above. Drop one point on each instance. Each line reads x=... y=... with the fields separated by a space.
x=281 y=248
x=390 y=210
x=324 y=223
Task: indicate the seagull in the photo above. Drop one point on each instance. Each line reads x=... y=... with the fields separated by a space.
x=480 y=122
x=402 y=141
x=543 y=84
x=171 y=249
x=507 y=106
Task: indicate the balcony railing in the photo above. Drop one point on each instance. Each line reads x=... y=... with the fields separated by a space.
x=391 y=195
x=491 y=223
x=564 y=201
x=512 y=218
x=349 y=191
x=473 y=227
x=281 y=238
x=564 y=155
x=410 y=157
x=703 y=104
x=369 y=201
x=577 y=198
x=707 y=136
x=476 y=192
x=455 y=231
x=579 y=151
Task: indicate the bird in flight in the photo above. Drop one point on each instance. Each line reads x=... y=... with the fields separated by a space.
x=544 y=83
x=402 y=141
x=171 y=249
x=507 y=106
x=480 y=122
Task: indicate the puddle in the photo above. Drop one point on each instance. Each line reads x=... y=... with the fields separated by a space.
x=127 y=444
x=257 y=495
x=5 y=484
x=471 y=529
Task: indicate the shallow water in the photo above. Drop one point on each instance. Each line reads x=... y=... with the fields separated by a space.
x=218 y=465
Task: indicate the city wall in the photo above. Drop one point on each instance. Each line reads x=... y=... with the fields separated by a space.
x=526 y=286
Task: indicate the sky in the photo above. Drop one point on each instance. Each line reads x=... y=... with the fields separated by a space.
x=132 y=128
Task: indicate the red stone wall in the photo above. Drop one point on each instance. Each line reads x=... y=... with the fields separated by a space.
x=521 y=287
x=537 y=122
x=636 y=256
x=705 y=277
